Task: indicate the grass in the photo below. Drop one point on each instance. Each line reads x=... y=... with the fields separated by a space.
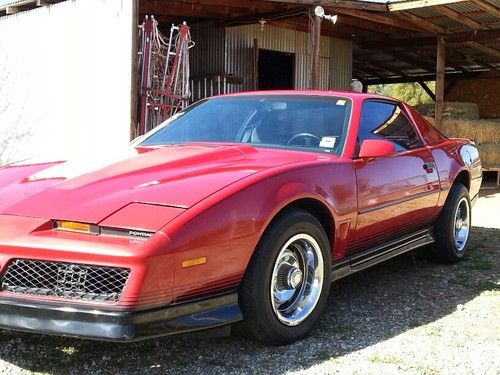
x=488 y=286
x=478 y=263
x=433 y=331
x=425 y=370
x=67 y=349
x=323 y=355
x=339 y=328
x=389 y=360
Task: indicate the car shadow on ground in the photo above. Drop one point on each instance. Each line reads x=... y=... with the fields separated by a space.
x=364 y=309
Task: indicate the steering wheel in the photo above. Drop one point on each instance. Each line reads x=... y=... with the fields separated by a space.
x=306 y=138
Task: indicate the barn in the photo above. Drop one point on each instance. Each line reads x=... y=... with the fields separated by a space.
x=71 y=70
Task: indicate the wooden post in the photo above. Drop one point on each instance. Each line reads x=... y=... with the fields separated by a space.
x=427 y=90
x=440 y=64
x=255 y=62
x=316 y=41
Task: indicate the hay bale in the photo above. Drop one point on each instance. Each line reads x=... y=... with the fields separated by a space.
x=490 y=155
x=452 y=110
x=480 y=131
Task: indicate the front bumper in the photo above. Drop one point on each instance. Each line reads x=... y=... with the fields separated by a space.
x=124 y=326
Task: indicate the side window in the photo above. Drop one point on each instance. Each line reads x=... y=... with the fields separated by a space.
x=381 y=120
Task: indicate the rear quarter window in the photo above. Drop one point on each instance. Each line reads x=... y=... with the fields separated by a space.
x=429 y=133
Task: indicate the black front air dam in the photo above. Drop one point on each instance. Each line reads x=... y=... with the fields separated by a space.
x=123 y=326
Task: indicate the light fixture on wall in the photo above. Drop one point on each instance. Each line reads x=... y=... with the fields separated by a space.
x=262 y=22
x=320 y=12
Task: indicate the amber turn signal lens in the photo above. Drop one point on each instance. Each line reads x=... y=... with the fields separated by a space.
x=194 y=262
x=73 y=226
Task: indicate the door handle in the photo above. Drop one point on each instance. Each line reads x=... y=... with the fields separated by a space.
x=429 y=167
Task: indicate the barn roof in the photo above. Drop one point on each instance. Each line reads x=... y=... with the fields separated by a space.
x=394 y=41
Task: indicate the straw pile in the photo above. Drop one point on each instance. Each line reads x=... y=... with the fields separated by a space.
x=480 y=131
x=452 y=110
x=461 y=120
x=490 y=155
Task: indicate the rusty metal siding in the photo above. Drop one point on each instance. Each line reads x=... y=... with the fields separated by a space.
x=341 y=64
x=239 y=55
x=302 y=67
x=335 y=63
x=207 y=56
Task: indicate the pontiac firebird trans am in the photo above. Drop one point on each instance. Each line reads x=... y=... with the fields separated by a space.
x=242 y=209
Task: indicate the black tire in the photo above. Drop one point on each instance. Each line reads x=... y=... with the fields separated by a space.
x=447 y=247
x=263 y=320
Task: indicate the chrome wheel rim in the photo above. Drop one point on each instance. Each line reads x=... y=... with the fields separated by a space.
x=461 y=224
x=297 y=279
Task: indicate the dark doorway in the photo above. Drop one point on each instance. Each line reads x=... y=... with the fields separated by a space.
x=276 y=70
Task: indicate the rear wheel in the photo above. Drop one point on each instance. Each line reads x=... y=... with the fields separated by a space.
x=287 y=281
x=453 y=226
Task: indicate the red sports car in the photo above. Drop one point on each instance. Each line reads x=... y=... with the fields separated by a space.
x=240 y=209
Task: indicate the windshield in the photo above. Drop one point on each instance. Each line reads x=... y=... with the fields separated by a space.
x=309 y=123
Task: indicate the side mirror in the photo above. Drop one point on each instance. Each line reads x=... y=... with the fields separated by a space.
x=376 y=148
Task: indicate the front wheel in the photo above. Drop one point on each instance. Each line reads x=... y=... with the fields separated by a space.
x=286 y=285
x=453 y=227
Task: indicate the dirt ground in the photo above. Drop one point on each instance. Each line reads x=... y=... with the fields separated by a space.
x=406 y=316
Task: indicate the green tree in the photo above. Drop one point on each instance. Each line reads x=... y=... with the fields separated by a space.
x=411 y=93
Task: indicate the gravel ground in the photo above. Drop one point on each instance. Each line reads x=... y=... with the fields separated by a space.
x=404 y=316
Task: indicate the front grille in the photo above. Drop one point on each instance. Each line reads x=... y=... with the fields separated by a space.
x=65 y=280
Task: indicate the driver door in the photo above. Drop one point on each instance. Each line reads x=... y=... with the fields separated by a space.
x=398 y=194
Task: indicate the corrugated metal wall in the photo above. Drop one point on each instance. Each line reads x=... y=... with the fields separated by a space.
x=237 y=50
x=207 y=56
x=65 y=76
x=340 y=64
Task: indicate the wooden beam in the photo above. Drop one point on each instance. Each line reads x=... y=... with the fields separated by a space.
x=255 y=64
x=252 y=5
x=204 y=9
x=440 y=63
x=334 y=33
x=339 y=4
x=376 y=29
x=431 y=77
x=484 y=49
x=366 y=71
x=12 y=9
x=460 y=56
x=375 y=17
x=353 y=26
x=476 y=36
x=379 y=70
x=427 y=90
x=416 y=4
x=490 y=9
x=40 y=3
x=316 y=42
x=388 y=68
x=274 y=15
x=421 y=23
x=460 y=17
x=408 y=59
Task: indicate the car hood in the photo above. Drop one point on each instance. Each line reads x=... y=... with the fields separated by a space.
x=178 y=176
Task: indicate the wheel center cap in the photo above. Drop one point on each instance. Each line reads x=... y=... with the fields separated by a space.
x=294 y=278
